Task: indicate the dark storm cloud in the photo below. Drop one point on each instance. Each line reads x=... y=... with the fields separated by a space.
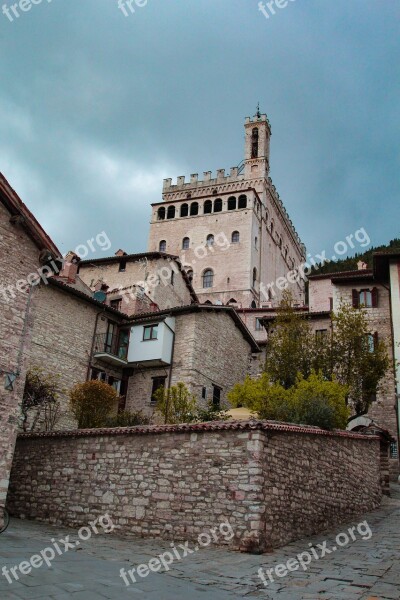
x=97 y=108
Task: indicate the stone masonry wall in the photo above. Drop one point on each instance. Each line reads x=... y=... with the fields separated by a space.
x=19 y=258
x=272 y=482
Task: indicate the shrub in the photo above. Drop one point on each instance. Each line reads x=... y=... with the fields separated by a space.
x=41 y=394
x=311 y=401
x=92 y=402
x=176 y=404
x=128 y=419
x=210 y=413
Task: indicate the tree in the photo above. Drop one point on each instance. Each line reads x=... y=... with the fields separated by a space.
x=41 y=394
x=310 y=401
x=359 y=360
x=92 y=402
x=176 y=404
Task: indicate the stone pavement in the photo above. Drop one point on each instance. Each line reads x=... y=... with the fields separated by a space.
x=363 y=569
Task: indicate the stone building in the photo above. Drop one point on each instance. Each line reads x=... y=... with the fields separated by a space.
x=231 y=232
x=26 y=255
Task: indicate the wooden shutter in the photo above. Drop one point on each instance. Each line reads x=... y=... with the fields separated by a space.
x=356 y=298
x=374 y=297
x=376 y=338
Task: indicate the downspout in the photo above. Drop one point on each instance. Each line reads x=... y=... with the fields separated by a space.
x=172 y=353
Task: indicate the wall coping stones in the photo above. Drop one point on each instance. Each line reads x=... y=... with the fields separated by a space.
x=251 y=425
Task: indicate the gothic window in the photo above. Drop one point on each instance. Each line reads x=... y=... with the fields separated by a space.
x=207 y=207
x=194 y=209
x=189 y=273
x=210 y=240
x=253 y=304
x=184 y=210
x=208 y=278
x=232 y=301
x=161 y=213
x=243 y=201
x=217 y=205
x=232 y=203
x=163 y=246
x=254 y=276
x=254 y=143
x=185 y=243
x=235 y=237
x=171 y=212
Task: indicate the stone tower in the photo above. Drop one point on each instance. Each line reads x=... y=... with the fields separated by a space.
x=232 y=232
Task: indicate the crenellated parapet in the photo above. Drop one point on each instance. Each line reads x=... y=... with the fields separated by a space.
x=196 y=183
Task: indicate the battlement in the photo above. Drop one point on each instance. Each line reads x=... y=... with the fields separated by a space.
x=258 y=119
x=195 y=182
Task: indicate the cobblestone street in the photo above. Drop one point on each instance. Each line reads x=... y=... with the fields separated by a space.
x=364 y=569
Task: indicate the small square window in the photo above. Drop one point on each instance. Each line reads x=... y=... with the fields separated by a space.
x=259 y=324
x=122 y=266
x=150 y=332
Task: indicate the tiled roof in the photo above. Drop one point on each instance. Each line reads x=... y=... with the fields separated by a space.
x=69 y=289
x=252 y=425
x=342 y=274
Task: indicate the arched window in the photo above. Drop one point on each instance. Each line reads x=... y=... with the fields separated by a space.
x=194 y=209
x=232 y=203
x=171 y=212
x=243 y=201
x=184 y=210
x=256 y=243
x=208 y=302
x=210 y=240
x=185 y=243
x=232 y=301
x=254 y=143
x=208 y=278
x=217 y=205
x=207 y=207
x=254 y=276
x=235 y=237
x=189 y=273
x=253 y=304
x=161 y=213
x=162 y=246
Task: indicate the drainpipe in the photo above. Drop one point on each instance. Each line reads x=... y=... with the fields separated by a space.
x=172 y=353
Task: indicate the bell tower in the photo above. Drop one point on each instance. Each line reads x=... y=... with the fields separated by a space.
x=258 y=134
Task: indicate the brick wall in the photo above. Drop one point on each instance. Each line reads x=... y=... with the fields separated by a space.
x=273 y=483
x=19 y=258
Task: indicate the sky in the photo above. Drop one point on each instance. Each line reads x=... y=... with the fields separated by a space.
x=97 y=108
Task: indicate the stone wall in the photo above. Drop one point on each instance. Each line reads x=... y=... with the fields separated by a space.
x=19 y=257
x=273 y=482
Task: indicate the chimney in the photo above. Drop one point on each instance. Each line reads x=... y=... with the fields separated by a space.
x=120 y=253
x=70 y=266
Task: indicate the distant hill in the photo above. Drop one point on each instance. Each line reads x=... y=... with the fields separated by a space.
x=350 y=263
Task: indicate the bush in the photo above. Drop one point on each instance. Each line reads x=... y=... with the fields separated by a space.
x=176 y=404
x=128 y=419
x=92 y=402
x=210 y=413
x=311 y=401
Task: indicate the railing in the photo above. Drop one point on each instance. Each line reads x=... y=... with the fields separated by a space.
x=116 y=345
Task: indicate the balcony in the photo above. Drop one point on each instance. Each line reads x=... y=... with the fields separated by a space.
x=112 y=349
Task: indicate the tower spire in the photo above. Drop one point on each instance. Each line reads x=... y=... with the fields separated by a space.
x=258 y=110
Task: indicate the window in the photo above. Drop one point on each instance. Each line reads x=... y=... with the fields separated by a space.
x=256 y=243
x=163 y=246
x=365 y=298
x=194 y=209
x=189 y=273
x=242 y=201
x=116 y=303
x=259 y=324
x=217 y=205
x=172 y=277
x=158 y=382
x=394 y=453
x=184 y=210
x=232 y=301
x=208 y=278
x=372 y=339
x=232 y=203
x=204 y=393
x=122 y=266
x=235 y=237
x=207 y=207
x=216 y=400
x=254 y=276
x=210 y=240
x=320 y=334
x=150 y=332
x=253 y=304
x=161 y=213
x=171 y=212
x=185 y=243
x=254 y=143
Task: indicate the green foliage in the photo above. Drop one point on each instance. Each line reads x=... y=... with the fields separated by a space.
x=92 y=402
x=356 y=363
x=128 y=419
x=310 y=401
x=210 y=413
x=176 y=404
x=41 y=395
x=350 y=263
